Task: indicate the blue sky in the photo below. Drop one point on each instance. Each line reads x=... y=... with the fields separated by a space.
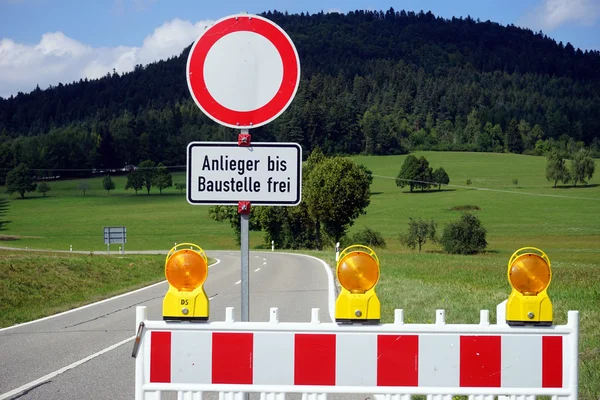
x=49 y=41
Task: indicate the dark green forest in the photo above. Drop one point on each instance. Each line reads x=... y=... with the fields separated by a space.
x=372 y=83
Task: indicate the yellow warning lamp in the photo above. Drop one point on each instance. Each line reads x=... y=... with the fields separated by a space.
x=358 y=273
x=186 y=269
x=529 y=274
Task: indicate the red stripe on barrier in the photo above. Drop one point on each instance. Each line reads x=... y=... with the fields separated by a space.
x=314 y=359
x=160 y=357
x=480 y=361
x=397 y=360
x=552 y=361
x=232 y=358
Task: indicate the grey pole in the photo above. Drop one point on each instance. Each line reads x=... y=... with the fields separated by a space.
x=245 y=268
x=245 y=279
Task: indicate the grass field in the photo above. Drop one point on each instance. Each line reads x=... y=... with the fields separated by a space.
x=564 y=222
x=37 y=284
x=530 y=213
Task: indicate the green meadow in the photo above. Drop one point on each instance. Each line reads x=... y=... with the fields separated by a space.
x=531 y=213
x=563 y=221
x=57 y=282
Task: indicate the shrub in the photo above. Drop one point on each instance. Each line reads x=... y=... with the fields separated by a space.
x=43 y=188
x=181 y=186
x=469 y=181
x=369 y=237
x=515 y=181
x=465 y=236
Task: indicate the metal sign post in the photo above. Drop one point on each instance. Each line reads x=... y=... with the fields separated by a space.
x=245 y=222
x=244 y=139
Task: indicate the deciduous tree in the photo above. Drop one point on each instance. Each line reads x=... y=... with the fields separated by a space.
x=20 y=180
x=43 y=188
x=147 y=170
x=465 y=236
x=162 y=178
x=440 y=177
x=419 y=231
x=135 y=181
x=83 y=186
x=108 y=184
x=582 y=167
x=556 y=168
x=181 y=186
x=336 y=193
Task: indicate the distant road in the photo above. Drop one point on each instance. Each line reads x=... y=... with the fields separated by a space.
x=95 y=341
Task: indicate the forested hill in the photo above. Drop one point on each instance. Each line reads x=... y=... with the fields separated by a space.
x=372 y=82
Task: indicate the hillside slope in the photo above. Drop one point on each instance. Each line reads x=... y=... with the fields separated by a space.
x=372 y=83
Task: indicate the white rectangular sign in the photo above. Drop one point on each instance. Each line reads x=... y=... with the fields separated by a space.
x=115 y=234
x=226 y=173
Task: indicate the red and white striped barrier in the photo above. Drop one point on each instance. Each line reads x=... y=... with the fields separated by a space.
x=435 y=359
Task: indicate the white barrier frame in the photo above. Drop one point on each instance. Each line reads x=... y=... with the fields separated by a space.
x=152 y=391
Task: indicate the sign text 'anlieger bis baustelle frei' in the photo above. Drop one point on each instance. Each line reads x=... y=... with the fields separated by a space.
x=226 y=173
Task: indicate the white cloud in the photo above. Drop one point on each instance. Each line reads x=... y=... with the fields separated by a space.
x=58 y=58
x=550 y=14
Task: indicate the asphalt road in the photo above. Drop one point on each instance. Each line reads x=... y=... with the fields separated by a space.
x=32 y=355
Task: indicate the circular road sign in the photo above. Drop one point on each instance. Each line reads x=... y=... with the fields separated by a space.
x=243 y=71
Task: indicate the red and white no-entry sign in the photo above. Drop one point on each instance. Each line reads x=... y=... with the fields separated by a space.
x=243 y=71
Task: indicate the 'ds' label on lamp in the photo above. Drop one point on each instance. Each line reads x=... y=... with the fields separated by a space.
x=186 y=270
x=358 y=273
x=529 y=274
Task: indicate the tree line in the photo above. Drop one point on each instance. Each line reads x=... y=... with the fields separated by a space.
x=22 y=180
x=373 y=82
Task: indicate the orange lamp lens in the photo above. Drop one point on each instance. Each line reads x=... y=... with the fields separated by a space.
x=358 y=272
x=529 y=274
x=186 y=270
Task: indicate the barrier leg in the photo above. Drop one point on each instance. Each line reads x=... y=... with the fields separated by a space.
x=141 y=314
x=272 y=396
x=398 y=397
x=439 y=397
x=314 y=396
x=231 y=396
